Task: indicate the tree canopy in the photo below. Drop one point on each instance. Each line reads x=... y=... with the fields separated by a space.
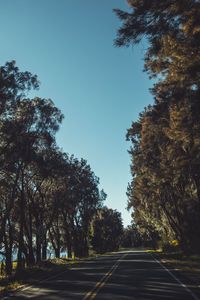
x=106 y=230
x=48 y=198
x=165 y=153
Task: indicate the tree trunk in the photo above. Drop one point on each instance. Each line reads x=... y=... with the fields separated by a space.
x=69 y=249
x=57 y=252
x=22 y=221
x=44 y=248
x=8 y=250
x=55 y=241
x=38 y=249
x=196 y=180
x=31 y=258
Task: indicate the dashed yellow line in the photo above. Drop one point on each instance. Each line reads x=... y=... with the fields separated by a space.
x=92 y=294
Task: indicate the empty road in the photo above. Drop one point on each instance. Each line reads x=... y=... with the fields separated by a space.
x=126 y=275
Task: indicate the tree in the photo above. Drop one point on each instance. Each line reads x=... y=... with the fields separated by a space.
x=165 y=153
x=13 y=86
x=172 y=31
x=106 y=230
x=86 y=200
x=27 y=127
x=47 y=198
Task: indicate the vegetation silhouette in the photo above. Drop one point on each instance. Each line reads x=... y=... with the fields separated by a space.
x=48 y=198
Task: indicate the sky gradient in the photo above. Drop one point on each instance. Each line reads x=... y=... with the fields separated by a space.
x=99 y=88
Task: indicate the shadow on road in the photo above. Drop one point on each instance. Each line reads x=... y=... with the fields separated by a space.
x=138 y=276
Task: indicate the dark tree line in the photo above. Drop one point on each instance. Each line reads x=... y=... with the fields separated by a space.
x=165 y=151
x=132 y=237
x=47 y=198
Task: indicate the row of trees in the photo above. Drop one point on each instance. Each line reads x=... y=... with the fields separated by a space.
x=165 y=152
x=47 y=198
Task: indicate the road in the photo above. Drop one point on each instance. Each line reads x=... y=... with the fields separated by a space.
x=127 y=275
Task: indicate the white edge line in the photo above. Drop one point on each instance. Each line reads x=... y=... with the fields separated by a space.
x=173 y=276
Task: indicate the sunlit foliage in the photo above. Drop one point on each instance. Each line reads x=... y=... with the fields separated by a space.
x=165 y=152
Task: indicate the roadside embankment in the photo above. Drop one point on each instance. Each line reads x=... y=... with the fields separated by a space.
x=188 y=266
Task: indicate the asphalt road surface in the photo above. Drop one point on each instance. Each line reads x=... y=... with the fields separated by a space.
x=126 y=275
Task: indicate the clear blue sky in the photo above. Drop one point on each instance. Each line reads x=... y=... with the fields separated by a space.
x=99 y=88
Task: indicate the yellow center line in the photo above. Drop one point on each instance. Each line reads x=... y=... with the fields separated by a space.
x=92 y=294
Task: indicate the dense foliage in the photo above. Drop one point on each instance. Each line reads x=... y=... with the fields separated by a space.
x=131 y=237
x=47 y=198
x=165 y=152
x=106 y=230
